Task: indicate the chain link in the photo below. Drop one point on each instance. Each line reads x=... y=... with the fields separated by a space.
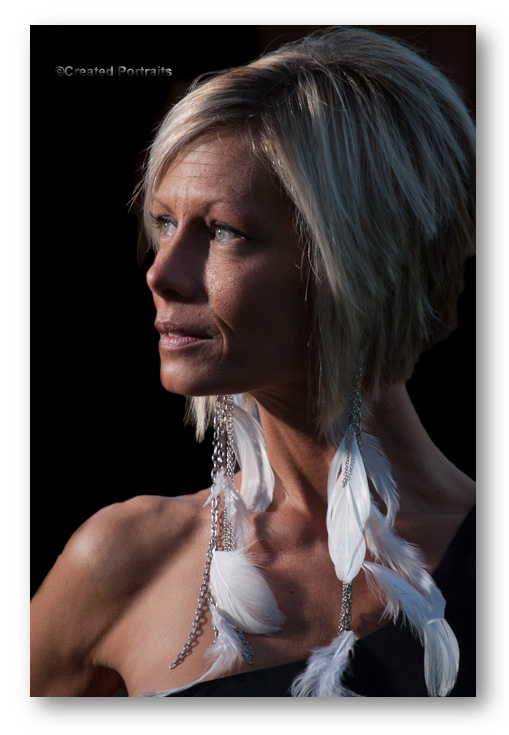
x=204 y=587
x=226 y=458
x=220 y=461
x=354 y=428
x=345 y=620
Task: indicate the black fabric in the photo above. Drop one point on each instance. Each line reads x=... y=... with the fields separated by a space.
x=390 y=661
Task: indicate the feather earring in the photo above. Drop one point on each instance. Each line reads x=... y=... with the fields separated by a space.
x=349 y=504
x=257 y=486
x=239 y=592
x=355 y=523
x=235 y=589
x=325 y=670
x=379 y=472
x=426 y=617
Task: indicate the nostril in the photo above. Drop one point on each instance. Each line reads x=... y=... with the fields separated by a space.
x=171 y=276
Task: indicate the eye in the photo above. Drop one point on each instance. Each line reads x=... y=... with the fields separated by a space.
x=221 y=234
x=225 y=233
x=165 y=224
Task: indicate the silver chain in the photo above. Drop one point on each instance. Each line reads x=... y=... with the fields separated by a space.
x=225 y=457
x=219 y=461
x=353 y=428
x=345 y=620
x=204 y=588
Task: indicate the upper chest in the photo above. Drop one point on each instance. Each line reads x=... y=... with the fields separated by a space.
x=155 y=627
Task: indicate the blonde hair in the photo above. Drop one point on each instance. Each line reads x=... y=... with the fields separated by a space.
x=375 y=148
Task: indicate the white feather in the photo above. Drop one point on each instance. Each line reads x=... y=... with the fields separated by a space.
x=425 y=616
x=242 y=593
x=441 y=657
x=227 y=648
x=400 y=597
x=379 y=472
x=325 y=669
x=257 y=487
x=347 y=512
x=393 y=551
x=335 y=467
x=235 y=506
x=441 y=650
x=214 y=493
x=226 y=651
x=237 y=513
x=220 y=485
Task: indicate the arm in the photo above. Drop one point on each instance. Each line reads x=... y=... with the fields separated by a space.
x=71 y=614
x=108 y=565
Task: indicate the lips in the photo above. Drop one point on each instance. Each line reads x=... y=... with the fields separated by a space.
x=176 y=335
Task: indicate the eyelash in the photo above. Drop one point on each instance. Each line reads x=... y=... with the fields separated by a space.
x=166 y=219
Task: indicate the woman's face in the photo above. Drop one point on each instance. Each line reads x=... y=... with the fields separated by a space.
x=226 y=280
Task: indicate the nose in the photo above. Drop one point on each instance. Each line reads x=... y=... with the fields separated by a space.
x=175 y=272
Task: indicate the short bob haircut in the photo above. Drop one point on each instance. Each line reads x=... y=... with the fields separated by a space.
x=375 y=149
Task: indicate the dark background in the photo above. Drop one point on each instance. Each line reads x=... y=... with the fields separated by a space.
x=103 y=428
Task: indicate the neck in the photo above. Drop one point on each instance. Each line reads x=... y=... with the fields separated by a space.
x=301 y=461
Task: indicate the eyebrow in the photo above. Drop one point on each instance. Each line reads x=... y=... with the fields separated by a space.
x=159 y=201
x=206 y=204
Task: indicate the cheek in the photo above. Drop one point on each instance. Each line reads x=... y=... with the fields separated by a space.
x=262 y=303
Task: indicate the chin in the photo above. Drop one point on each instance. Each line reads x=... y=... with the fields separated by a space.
x=192 y=386
x=180 y=387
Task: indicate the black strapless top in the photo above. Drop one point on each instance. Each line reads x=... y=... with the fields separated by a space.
x=390 y=661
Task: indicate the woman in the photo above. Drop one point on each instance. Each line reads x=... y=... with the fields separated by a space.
x=311 y=214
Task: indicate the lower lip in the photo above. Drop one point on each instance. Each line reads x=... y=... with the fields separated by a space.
x=168 y=342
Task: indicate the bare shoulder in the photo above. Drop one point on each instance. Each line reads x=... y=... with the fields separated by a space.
x=104 y=566
x=123 y=547
x=435 y=509
x=454 y=492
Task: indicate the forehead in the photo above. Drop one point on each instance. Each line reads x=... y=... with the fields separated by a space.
x=220 y=169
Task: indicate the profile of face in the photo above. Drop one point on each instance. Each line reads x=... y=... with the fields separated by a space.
x=226 y=280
